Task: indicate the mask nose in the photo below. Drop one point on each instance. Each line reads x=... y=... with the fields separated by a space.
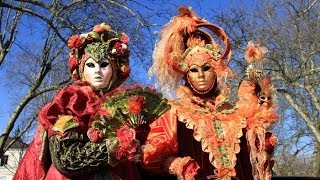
x=97 y=69
x=200 y=74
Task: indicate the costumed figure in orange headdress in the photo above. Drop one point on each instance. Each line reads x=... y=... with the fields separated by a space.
x=87 y=130
x=204 y=136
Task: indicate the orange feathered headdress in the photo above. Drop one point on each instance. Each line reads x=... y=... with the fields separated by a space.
x=186 y=39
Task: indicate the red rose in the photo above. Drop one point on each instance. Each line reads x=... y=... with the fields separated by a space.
x=95 y=135
x=128 y=145
x=73 y=63
x=117 y=45
x=120 y=48
x=103 y=112
x=128 y=152
x=74 y=42
x=136 y=104
x=270 y=142
x=125 y=134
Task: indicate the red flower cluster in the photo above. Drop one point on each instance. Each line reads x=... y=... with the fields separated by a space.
x=136 y=104
x=120 y=49
x=271 y=142
x=73 y=63
x=95 y=135
x=125 y=71
x=75 y=42
x=128 y=143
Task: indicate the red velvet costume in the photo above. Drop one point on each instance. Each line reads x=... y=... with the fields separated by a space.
x=66 y=144
x=79 y=101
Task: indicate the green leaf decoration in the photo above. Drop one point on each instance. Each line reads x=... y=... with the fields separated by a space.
x=131 y=107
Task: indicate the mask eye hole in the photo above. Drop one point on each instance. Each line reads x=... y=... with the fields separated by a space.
x=206 y=68
x=262 y=98
x=90 y=65
x=194 y=70
x=104 y=64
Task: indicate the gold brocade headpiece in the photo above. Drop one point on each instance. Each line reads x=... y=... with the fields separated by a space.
x=186 y=40
x=199 y=46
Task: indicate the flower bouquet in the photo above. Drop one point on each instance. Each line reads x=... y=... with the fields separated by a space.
x=119 y=119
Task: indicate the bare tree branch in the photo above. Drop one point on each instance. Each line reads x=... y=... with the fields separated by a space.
x=308 y=120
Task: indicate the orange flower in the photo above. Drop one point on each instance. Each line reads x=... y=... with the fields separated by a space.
x=136 y=104
x=101 y=27
x=124 y=38
x=270 y=142
x=273 y=140
x=125 y=71
x=254 y=53
x=74 y=42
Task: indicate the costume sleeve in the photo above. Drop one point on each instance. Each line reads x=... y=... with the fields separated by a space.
x=70 y=110
x=161 y=144
x=66 y=120
x=35 y=161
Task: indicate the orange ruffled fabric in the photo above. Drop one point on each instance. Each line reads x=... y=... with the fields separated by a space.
x=218 y=133
x=260 y=116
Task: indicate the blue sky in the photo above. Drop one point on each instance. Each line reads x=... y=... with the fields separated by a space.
x=201 y=7
x=4 y=96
